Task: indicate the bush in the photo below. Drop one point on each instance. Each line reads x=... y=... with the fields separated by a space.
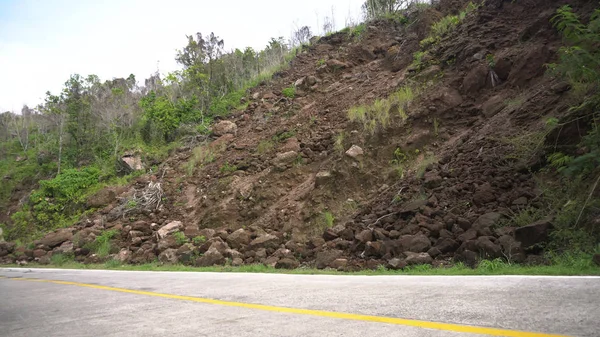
x=378 y=115
x=102 y=246
x=180 y=238
x=289 y=92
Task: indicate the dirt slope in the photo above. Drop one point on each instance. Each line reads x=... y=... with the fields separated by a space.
x=278 y=176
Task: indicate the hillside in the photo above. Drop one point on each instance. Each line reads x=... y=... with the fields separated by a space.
x=433 y=136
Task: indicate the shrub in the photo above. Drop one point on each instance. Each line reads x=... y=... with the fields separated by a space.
x=228 y=168
x=180 y=238
x=201 y=155
x=101 y=246
x=289 y=92
x=328 y=219
x=199 y=240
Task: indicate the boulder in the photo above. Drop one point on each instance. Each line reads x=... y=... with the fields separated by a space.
x=355 y=152
x=130 y=162
x=417 y=258
x=124 y=255
x=239 y=238
x=287 y=263
x=65 y=248
x=475 y=80
x=339 y=264
x=432 y=180
x=39 y=253
x=210 y=258
x=224 y=127
x=237 y=262
x=415 y=243
x=168 y=256
x=323 y=178
x=336 y=64
x=169 y=228
x=365 y=236
x=396 y=263
x=325 y=258
x=487 y=248
x=534 y=233
x=101 y=199
x=57 y=238
x=265 y=241
x=6 y=248
x=446 y=245
x=483 y=223
x=493 y=106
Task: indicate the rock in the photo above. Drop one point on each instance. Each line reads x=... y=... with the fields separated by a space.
x=446 y=99
x=101 y=199
x=239 y=238
x=412 y=206
x=396 y=264
x=375 y=248
x=417 y=258
x=493 y=106
x=483 y=195
x=434 y=252
x=446 y=245
x=260 y=254
x=329 y=235
x=224 y=127
x=463 y=223
x=65 y=248
x=208 y=233
x=269 y=96
x=475 y=80
x=271 y=261
x=469 y=235
x=529 y=66
x=511 y=248
x=124 y=255
x=502 y=68
x=339 y=264
x=256 y=96
x=323 y=178
x=57 y=238
x=166 y=243
x=131 y=162
x=285 y=158
x=325 y=258
x=169 y=228
x=142 y=227
x=336 y=64
x=432 y=180
x=44 y=260
x=487 y=248
x=522 y=201
x=6 y=248
x=469 y=258
x=232 y=254
x=415 y=243
x=218 y=245
x=210 y=258
x=237 y=262
x=355 y=152
x=287 y=263
x=483 y=223
x=265 y=241
x=365 y=236
x=39 y=253
x=534 y=233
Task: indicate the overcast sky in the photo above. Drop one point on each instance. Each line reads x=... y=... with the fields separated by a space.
x=42 y=42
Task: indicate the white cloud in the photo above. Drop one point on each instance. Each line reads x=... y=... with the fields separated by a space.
x=42 y=43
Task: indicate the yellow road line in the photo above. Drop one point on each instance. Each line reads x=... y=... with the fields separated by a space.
x=320 y=313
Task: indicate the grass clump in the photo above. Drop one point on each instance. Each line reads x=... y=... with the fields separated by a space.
x=102 y=246
x=201 y=155
x=378 y=115
x=265 y=146
x=328 y=219
x=289 y=92
x=198 y=240
x=228 y=168
x=446 y=25
x=180 y=238
x=338 y=144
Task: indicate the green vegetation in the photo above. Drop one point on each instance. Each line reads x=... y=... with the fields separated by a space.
x=338 y=144
x=446 y=25
x=283 y=136
x=83 y=131
x=328 y=219
x=377 y=116
x=265 y=146
x=180 y=238
x=289 y=92
x=197 y=240
x=227 y=168
x=101 y=245
x=560 y=265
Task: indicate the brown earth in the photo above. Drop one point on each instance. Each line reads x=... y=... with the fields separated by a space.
x=277 y=169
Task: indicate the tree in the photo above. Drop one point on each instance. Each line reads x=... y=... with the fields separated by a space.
x=54 y=108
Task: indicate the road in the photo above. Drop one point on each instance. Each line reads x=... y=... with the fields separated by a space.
x=50 y=302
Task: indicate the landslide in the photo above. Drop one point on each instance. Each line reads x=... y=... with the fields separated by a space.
x=292 y=181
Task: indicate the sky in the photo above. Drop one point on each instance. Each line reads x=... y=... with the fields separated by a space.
x=43 y=42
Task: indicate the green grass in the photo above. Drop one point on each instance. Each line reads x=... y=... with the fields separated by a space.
x=101 y=246
x=289 y=92
x=566 y=265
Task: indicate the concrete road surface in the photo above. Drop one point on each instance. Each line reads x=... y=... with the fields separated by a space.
x=45 y=302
